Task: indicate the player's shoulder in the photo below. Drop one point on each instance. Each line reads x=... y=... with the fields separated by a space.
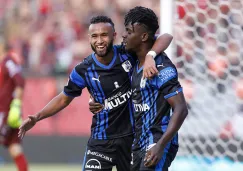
x=119 y=49
x=165 y=67
x=9 y=60
x=163 y=61
x=87 y=61
x=124 y=55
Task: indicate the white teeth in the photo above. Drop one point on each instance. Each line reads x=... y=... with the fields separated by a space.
x=100 y=47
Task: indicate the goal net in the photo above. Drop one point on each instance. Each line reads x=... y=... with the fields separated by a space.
x=208 y=53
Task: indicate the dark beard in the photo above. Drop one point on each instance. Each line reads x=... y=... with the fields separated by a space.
x=109 y=49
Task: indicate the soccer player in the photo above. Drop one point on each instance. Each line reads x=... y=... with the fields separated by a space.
x=159 y=103
x=106 y=74
x=11 y=92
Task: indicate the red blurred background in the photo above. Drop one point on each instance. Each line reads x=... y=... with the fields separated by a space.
x=73 y=120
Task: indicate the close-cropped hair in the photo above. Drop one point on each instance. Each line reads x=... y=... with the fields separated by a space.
x=143 y=16
x=102 y=19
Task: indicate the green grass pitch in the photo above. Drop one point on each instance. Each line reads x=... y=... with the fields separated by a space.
x=45 y=167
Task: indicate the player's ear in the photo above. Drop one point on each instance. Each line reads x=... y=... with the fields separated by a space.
x=145 y=36
x=89 y=33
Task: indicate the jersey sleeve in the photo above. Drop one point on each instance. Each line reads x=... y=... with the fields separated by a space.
x=167 y=82
x=75 y=84
x=14 y=71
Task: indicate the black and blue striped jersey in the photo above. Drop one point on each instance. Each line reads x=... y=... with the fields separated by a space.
x=109 y=85
x=152 y=111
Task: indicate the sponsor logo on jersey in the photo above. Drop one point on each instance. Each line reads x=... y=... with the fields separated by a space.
x=12 y=68
x=141 y=107
x=117 y=100
x=94 y=153
x=93 y=164
x=127 y=66
x=167 y=74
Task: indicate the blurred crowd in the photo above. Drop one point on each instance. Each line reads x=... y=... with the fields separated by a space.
x=209 y=42
x=51 y=35
x=211 y=29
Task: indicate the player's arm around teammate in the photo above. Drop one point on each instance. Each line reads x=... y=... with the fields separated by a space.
x=161 y=44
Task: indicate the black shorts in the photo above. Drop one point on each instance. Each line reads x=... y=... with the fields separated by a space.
x=8 y=136
x=102 y=155
x=163 y=165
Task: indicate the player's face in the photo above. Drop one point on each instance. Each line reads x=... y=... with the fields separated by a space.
x=101 y=37
x=132 y=37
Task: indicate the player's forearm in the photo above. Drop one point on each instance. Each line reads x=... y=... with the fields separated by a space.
x=175 y=123
x=54 y=106
x=14 y=119
x=18 y=93
x=162 y=43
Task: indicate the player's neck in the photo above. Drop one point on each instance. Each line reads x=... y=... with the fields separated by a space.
x=141 y=54
x=106 y=60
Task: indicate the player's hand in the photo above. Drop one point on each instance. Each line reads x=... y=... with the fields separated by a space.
x=149 y=69
x=95 y=107
x=27 y=125
x=153 y=156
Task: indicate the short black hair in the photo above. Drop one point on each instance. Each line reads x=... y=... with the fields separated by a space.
x=143 y=16
x=102 y=19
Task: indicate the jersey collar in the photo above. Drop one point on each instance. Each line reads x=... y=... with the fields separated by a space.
x=105 y=66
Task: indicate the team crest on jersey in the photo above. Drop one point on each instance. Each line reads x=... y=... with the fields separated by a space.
x=143 y=82
x=127 y=66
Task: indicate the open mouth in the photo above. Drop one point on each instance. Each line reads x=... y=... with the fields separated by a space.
x=100 y=48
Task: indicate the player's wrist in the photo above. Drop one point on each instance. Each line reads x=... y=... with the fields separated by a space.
x=152 y=53
x=161 y=143
x=37 y=117
x=16 y=103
